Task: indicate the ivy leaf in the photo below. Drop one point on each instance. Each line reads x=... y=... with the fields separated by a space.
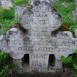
x=63 y=59
x=75 y=66
x=66 y=60
x=69 y=59
x=76 y=51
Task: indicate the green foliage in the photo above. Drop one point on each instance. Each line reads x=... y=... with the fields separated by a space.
x=6 y=14
x=65 y=8
x=70 y=59
x=21 y=2
x=6 y=19
x=66 y=60
x=73 y=26
x=3 y=64
x=71 y=62
x=7 y=23
x=75 y=66
x=3 y=71
x=3 y=58
x=66 y=0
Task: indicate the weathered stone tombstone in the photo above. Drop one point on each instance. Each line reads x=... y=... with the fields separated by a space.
x=74 y=13
x=6 y=3
x=18 y=11
x=32 y=46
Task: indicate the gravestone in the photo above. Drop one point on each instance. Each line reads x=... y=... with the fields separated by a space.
x=32 y=44
x=6 y=3
x=74 y=13
x=18 y=11
x=32 y=1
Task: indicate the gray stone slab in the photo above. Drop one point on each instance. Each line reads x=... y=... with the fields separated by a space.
x=6 y=3
x=38 y=41
x=41 y=14
x=18 y=11
x=74 y=13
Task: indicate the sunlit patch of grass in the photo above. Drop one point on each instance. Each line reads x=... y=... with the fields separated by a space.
x=21 y=2
x=65 y=8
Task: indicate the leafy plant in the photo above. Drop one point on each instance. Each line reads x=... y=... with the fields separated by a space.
x=3 y=71
x=71 y=62
x=3 y=58
x=66 y=0
x=65 y=8
x=66 y=60
x=6 y=14
x=3 y=64
x=20 y=2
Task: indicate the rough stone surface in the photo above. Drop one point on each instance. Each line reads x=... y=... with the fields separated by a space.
x=6 y=3
x=74 y=13
x=18 y=11
x=32 y=1
x=40 y=14
x=39 y=41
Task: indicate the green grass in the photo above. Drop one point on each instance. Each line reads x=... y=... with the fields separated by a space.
x=3 y=64
x=65 y=8
x=21 y=2
x=7 y=18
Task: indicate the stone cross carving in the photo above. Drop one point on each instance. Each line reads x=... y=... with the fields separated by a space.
x=38 y=38
x=6 y=3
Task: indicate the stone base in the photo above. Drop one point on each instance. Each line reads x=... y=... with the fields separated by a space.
x=66 y=73
x=57 y=74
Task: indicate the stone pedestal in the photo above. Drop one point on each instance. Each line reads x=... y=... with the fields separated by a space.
x=17 y=62
x=58 y=65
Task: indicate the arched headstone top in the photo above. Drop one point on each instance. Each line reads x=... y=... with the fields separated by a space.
x=32 y=1
x=40 y=15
